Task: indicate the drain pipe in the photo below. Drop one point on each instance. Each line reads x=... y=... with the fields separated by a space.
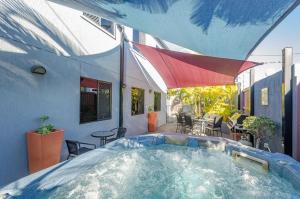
x=122 y=56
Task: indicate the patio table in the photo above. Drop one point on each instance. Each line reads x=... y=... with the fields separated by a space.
x=199 y=121
x=102 y=135
x=204 y=122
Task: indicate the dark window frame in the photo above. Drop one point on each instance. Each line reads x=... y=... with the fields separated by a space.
x=99 y=82
x=155 y=108
x=143 y=102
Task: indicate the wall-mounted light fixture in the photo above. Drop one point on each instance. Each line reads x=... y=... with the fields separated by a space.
x=150 y=90
x=123 y=85
x=38 y=69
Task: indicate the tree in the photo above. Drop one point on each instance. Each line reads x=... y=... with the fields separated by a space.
x=211 y=99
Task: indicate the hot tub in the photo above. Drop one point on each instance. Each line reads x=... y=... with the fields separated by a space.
x=166 y=166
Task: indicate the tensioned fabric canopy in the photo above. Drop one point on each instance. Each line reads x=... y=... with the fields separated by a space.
x=219 y=28
x=180 y=70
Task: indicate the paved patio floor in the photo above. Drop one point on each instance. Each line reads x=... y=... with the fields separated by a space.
x=171 y=127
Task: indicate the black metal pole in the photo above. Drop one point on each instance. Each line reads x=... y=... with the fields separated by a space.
x=287 y=112
x=122 y=56
x=239 y=96
x=252 y=103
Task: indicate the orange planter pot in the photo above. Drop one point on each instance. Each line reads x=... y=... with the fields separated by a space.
x=236 y=136
x=43 y=150
x=152 y=121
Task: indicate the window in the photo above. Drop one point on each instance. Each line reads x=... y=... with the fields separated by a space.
x=139 y=37
x=157 y=101
x=137 y=101
x=106 y=25
x=95 y=100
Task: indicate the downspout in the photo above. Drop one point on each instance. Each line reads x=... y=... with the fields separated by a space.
x=122 y=55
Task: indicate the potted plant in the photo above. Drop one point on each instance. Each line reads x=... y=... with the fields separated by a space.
x=152 y=119
x=260 y=127
x=44 y=146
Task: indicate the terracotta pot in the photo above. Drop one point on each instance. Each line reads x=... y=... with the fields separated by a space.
x=236 y=136
x=152 y=121
x=43 y=150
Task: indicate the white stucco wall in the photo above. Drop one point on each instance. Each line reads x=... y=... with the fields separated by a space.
x=137 y=75
x=58 y=38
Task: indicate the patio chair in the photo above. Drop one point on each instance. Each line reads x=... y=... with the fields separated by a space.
x=188 y=123
x=75 y=148
x=121 y=131
x=180 y=122
x=215 y=126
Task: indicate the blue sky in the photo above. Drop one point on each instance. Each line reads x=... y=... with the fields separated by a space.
x=286 y=34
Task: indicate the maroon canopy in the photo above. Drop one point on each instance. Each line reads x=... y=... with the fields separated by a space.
x=180 y=70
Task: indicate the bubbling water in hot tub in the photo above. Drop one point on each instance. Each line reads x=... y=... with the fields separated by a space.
x=165 y=167
x=169 y=171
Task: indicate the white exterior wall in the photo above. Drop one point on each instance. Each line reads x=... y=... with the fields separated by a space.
x=140 y=73
x=58 y=38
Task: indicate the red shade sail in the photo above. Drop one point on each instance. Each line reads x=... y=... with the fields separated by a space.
x=180 y=70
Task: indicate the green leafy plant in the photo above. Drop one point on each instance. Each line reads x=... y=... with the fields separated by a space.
x=45 y=127
x=260 y=126
x=150 y=108
x=219 y=100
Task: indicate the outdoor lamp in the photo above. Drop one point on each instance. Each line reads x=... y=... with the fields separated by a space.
x=38 y=69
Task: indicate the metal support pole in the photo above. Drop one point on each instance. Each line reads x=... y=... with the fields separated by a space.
x=252 y=79
x=287 y=110
x=239 y=106
x=122 y=62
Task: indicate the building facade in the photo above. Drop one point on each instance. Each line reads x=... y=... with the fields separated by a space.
x=77 y=50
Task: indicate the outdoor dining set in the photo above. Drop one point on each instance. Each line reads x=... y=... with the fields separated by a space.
x=208 y=124
x=211 y=125
x=77 y=148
